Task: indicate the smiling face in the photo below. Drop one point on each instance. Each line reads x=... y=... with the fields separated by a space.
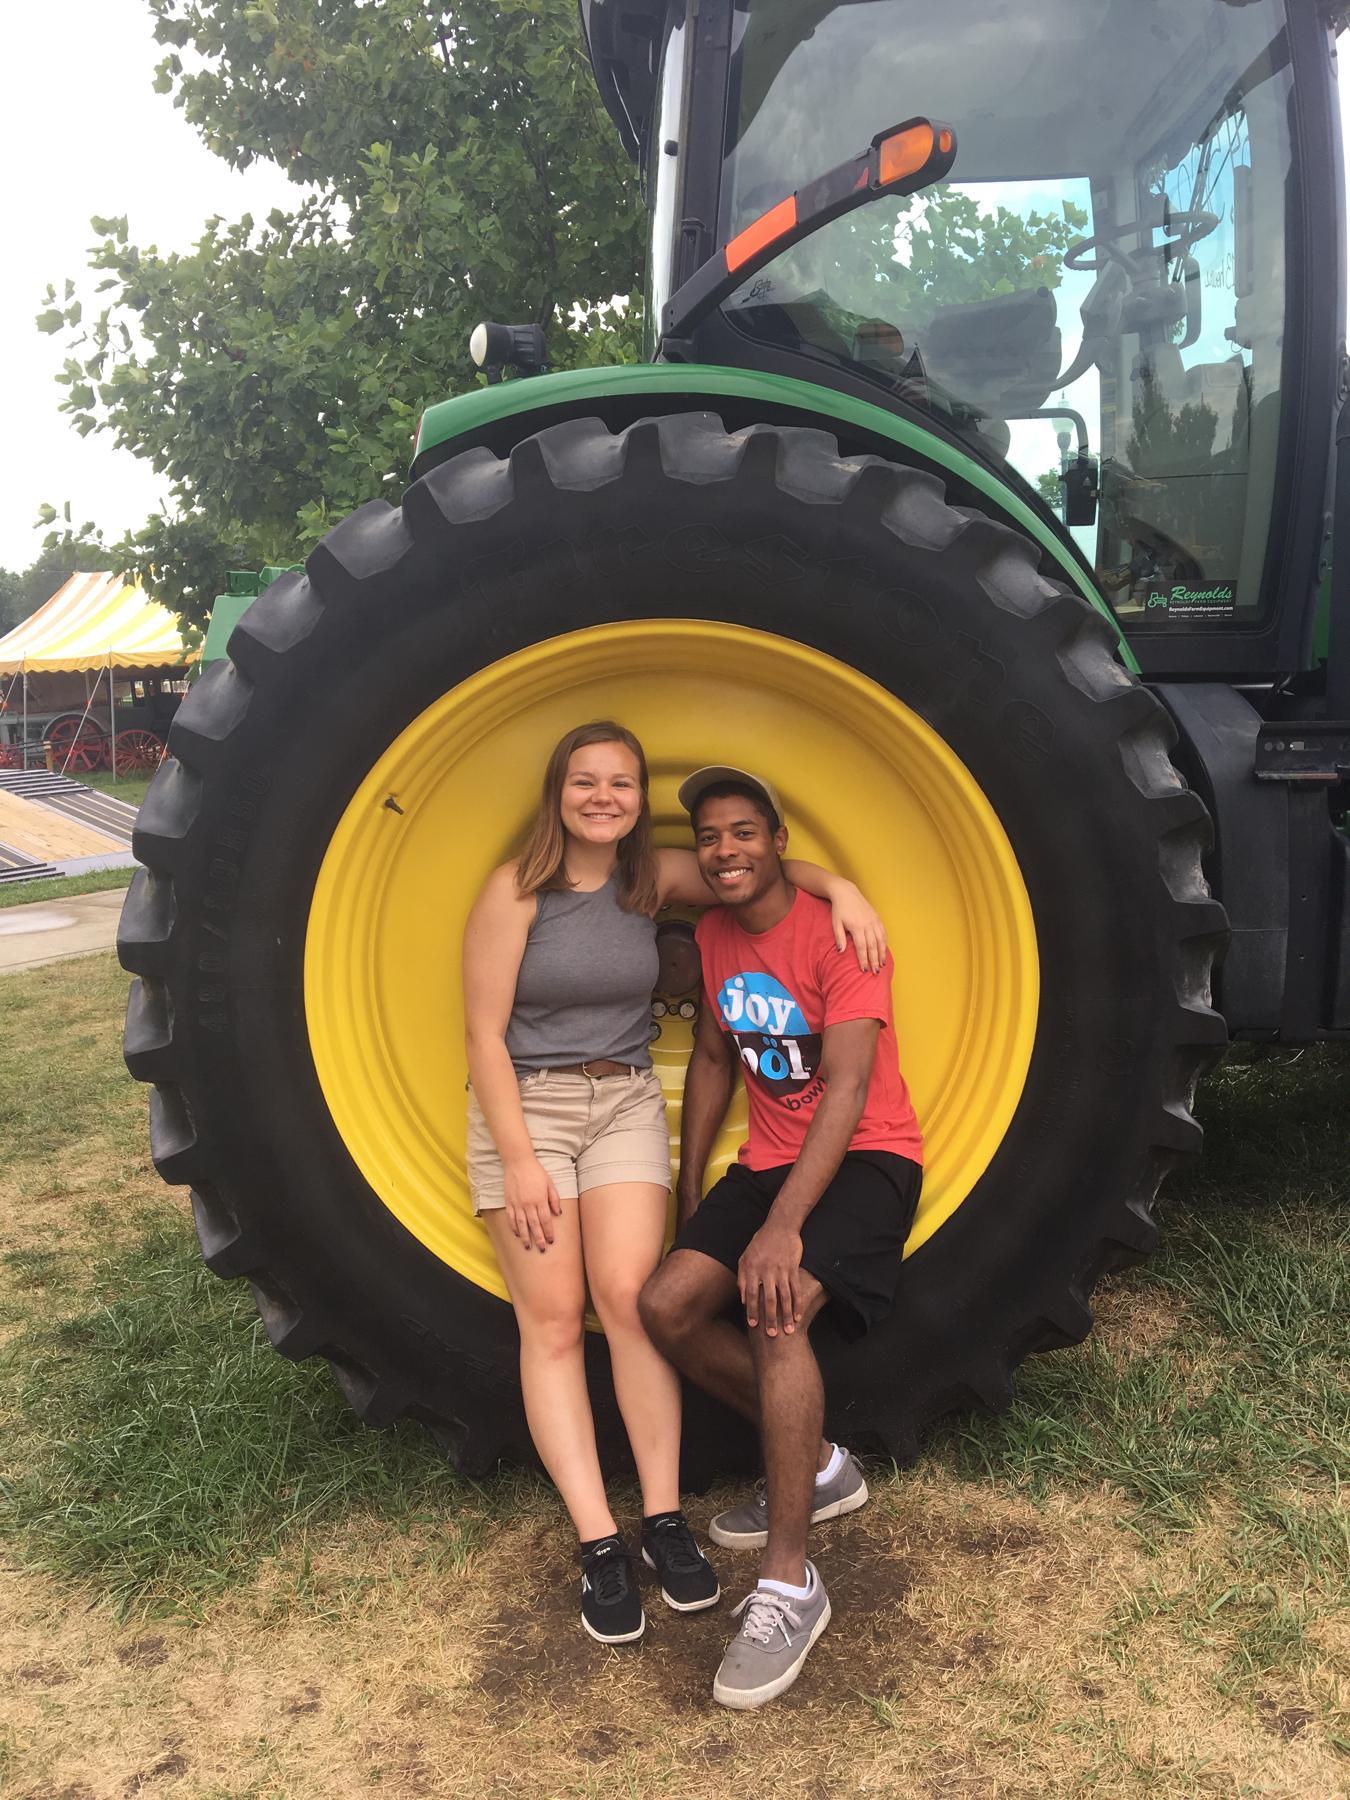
x=601 y=799
x=738 y=854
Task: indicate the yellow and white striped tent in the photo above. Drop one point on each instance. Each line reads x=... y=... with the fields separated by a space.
x=95 y=621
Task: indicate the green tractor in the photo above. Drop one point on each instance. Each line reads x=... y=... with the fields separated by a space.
x=978 y=491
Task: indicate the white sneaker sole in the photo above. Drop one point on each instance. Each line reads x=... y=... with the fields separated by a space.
x=744 y=1699
x=627 y=1637
x=683 y=1605
x=756 y=1540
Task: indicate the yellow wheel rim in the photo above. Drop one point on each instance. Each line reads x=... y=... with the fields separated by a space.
x=869 y=789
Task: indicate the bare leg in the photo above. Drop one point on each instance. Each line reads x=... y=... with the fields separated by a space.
x=683 y=1308
x=622 y=1232
x=792 y=1406
x=549 y=1296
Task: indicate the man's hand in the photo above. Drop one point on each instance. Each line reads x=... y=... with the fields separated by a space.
x=771 y=1266
x=687 y=1201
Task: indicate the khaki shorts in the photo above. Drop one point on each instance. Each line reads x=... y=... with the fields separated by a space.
x=586 y=1131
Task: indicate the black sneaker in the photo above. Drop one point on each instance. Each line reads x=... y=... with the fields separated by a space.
x=688 y=1582
x=611 y=1609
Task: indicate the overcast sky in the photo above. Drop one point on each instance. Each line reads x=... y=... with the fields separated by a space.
x=85 y=133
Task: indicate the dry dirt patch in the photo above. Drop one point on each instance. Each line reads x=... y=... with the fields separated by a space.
x=967 y=1658
x=535 y=1656
x=1135 y=1319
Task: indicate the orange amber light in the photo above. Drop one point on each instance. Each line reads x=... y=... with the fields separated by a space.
x=907 y=152
x=770 y=225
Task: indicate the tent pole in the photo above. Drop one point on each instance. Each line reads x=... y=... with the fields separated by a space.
x=88 y=708
x=24 y=666
x=112 y=721
x=4 y=707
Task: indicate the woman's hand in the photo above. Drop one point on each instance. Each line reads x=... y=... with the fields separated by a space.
x=853 y=917
x=532 y=1203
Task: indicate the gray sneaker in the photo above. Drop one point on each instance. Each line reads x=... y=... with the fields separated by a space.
x=766 y=1655
x=746 y=1527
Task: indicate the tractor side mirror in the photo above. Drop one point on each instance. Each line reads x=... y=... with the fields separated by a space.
x=1080 y=490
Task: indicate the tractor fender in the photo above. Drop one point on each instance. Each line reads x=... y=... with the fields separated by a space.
x=499 y=417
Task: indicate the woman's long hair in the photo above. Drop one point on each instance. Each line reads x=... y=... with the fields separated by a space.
x=541 y=863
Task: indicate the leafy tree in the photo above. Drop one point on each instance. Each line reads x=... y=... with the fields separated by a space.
x=1050 y=487
x=446 y=172
x=12 y=610
x=949 y=250
x=1168 y=441
x=902 y=260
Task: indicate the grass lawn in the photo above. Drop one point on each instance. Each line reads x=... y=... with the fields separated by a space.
x=61 y=887
x=130 y=788
x=214 y=1584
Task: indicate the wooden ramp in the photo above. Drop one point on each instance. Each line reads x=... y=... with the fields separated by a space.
x=35 y=833
x=88 y=806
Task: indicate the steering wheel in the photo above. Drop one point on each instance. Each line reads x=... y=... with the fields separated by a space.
x=1192 y=227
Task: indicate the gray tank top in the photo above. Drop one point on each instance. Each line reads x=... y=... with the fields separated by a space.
x=584 y=992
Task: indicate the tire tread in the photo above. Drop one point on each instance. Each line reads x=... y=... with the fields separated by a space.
x=693 y=448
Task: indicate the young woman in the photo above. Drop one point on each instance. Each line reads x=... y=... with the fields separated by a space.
x=569 y=1152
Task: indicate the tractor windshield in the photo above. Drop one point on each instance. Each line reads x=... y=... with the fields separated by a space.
x=1104 y=271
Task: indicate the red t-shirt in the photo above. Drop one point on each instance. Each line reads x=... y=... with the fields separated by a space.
x=774 y=992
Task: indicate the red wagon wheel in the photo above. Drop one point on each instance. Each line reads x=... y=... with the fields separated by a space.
x=138 y=752
x=79 y=746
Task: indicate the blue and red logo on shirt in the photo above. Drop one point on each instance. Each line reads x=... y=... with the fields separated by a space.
x=778 y=1024
x=771 y=1034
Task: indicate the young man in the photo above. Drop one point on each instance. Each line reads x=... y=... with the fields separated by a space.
x=815 y=1213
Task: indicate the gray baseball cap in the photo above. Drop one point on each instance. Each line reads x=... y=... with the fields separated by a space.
x=694 y=786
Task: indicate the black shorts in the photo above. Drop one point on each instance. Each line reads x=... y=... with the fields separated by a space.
x=853 y=1237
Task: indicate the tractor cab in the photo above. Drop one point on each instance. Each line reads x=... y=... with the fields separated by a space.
x=1124 y=296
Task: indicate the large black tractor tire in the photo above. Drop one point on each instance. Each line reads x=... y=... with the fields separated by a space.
x=767 y=528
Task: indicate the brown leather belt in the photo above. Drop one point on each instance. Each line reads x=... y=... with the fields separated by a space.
x=594 y=1069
